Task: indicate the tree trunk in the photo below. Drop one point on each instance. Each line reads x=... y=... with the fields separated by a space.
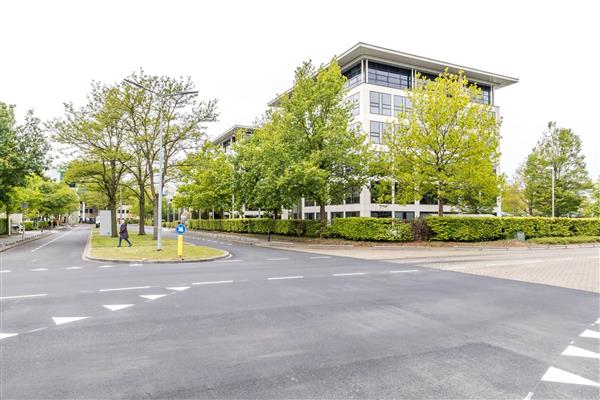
x=155 y=217
x=440 y=206
x=113 y=217
x=142 y=204
x=322 y=214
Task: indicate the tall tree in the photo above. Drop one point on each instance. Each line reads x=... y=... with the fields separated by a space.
x=47 y=197
x=326 y=156
x=97 y=132
x=182 y=118
x=446 y=145
x=591 y=207
x=558 y=150
x=23 y=151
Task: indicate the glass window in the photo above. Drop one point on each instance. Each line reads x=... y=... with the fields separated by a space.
x=406 y=215
x=352 y=214
x=355 y=102
x=381 y=214
x=337 y=214
x=386 y=75
x=377 y=130
x=355 y=127
x=309 y=215
x=354 y=76
x=308 y=202
x=353 y=196
x=380 y=103
x=484 y=96
x=402 y=104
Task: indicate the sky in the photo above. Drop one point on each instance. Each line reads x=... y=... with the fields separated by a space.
x=244 y=52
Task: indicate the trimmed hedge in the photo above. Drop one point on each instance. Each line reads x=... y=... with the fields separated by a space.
x=30 y=226
x=476 y=229
x=377 y=229
x=3 y=226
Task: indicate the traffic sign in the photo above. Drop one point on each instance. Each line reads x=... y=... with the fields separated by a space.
x=180 y=229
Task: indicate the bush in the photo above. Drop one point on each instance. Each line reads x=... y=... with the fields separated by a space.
x=29 y=226
x=476 y=229
x=3 y=226
x=42 y=224
x=376 y=229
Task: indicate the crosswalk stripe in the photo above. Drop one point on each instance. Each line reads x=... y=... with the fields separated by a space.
x=558 y=375
x=590 y=334
x=579 y=352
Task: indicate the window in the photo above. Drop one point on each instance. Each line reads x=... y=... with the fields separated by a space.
x=377 y=129
x=308 y=202
x=352 y=214
x=353 y=196
x=407 y=215
x=381 y=103
x=309 y=216
x=337 y=214
x=354 y=76
x=386 y=75
x=355 y=127
x=402 y=104
x=381 y=214
x=355 y=102
x=484 y=96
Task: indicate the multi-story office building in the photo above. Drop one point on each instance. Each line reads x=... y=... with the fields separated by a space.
x=379 y=81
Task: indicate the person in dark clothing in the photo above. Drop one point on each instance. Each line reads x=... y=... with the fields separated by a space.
x=123 y=234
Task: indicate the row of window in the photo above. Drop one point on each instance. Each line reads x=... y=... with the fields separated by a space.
x=405 y=215
x=381 y=104
x=397 y=78
x=352 y=197
x=334 y=215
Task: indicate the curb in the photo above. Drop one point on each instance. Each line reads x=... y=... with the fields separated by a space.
x=23 y=241
x=86 y=256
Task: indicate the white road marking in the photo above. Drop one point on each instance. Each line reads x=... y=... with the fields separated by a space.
x=7 y=335
x=560 y=376
x=5 y=271
x=227 y=261
x=39 y=269
x=278 y=259
x=151 y=297
x=106 y=266
x=53 y=240
x=136 y=265
x=579 y=352
x=38 y=329
x=210 y=283
x=66 y=320
x=351 y=274
x=406 y=270
x=597 y=321
x=178 y=288
x=285 y=277
x=117 y=307
x=528 y=397
x=73 y=268
x=126 y=288
x=590 y=334
x=319 y=257
x=24 y=296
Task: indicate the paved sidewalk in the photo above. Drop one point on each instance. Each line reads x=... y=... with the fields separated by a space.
x=6 y=242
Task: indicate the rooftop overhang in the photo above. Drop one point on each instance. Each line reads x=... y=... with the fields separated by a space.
x=362 y=51
x=229 y=133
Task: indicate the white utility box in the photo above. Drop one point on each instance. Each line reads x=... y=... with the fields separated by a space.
x=104 y=219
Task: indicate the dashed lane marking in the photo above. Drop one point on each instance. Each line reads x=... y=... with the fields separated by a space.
x=278 y=259
x=590 y=334
x=5 y=271
x=178 y=288
x=117 y=307
x=106 y=266
x=351 y=274
x=151 y=297
x=51 y=241
x=319 y=257
x=126 y=288
x=560 y=376
x=211 y=282
x=39 y=269
x=37 y=329
x=528 y=397
x=74 y=268
x=136 y=265
x=23 y=296
x=404 y=271
x=285 y=277
x=579 y=352
x=66 y=320
x=228 y=261
x=7 y=335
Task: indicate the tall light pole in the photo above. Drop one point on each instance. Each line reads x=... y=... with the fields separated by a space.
x=161 y=152
x=553 y=174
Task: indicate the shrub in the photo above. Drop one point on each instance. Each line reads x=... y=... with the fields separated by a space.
x=29 y=226
x=376 y=229
x=42 y=224
x=3 y=226
x=475 y=229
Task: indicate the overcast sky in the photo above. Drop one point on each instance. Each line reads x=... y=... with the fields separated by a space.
x=244 y=52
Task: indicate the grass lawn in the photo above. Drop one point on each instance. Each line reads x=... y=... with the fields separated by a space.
x=145 y=248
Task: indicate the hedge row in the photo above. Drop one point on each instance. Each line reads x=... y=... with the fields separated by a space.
x=476 y=229
x=3 y=226
x=376 y=229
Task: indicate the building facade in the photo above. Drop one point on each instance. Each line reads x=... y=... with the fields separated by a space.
x=379 y=81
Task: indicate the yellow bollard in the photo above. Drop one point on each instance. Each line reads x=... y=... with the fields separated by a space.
x=180 y=245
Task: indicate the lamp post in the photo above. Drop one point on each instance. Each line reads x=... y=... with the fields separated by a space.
x=161 y=152
x=553 y=174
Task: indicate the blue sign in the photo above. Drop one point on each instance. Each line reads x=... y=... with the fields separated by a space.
x=180 y=229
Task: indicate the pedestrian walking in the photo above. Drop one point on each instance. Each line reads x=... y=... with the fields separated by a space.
x=123 y=234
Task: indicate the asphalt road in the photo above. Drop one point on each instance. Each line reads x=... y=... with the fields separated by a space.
x=270 y=323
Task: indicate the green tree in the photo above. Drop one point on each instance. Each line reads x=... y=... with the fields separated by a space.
x=560 y=150
x=325 y=155
x=23 y=151
x=447 y=145
x=513 y=196
x=591 y=207
x=47 y=197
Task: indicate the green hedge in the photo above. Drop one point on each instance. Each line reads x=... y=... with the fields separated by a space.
x=377 y=229
x=285 y=227
x=3 y=226
x=30 y=226
x=476 y=229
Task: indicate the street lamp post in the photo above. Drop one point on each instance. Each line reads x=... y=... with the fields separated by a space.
x=161 y=152
x=553 y=177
